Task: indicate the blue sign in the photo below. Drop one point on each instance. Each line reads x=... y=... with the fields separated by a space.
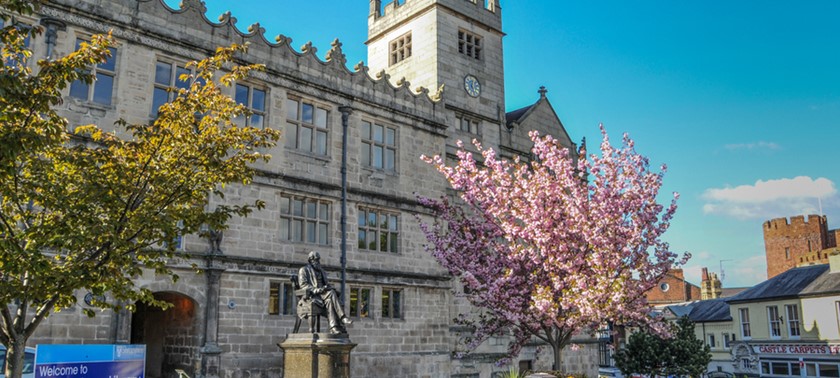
x=96 y=360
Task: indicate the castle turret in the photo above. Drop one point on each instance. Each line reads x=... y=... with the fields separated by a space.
x=786 y=243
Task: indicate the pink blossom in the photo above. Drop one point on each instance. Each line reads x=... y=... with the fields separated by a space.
x=548 y=247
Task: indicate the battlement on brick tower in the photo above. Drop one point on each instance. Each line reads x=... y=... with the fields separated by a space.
x=435 y=43
x=787 y=241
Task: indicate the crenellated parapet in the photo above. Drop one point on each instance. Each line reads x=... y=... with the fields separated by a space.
x=487 y=13
x=377 y=10
x=788 y=242
x=188 y=33
x=795 y=222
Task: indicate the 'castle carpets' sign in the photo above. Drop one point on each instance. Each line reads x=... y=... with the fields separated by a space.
x=98 y=360
x=808 y=349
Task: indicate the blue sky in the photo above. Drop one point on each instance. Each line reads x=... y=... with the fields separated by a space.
x=741 y=99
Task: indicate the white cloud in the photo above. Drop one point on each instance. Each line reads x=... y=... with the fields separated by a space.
x=760 y=145
x=772 y=190
x=746 y=272
x=771 y=198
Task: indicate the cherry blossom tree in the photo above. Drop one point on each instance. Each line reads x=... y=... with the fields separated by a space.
x=557 y=245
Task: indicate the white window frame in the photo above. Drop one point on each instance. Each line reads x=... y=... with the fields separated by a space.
x=744 y=317
x=794 y=324
x=774 y=321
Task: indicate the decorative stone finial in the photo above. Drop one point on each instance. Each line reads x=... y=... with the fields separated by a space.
x=196 y=5
x=281 y=39
x=307 y=47
x=542 y=91
x=227 y=18
x=255 y=28
x=439 y=94
x=359 y=66
x=335 y=53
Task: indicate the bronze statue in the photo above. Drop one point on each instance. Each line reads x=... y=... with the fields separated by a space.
x=313 y=279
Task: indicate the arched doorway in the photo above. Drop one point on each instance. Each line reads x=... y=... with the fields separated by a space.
x=171 y=335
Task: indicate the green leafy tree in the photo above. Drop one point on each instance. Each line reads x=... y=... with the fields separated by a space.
x=84 y=209
x=682 y=355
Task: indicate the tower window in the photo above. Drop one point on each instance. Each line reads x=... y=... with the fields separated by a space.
x=468 y=125
x=469 y=44
x=400 y=48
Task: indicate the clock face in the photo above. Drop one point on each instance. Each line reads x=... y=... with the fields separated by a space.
x=472 y=86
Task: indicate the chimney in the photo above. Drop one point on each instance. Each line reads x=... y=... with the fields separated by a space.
x=834 y=262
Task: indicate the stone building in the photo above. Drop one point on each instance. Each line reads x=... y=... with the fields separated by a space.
x=800 y=240
x=435 y=76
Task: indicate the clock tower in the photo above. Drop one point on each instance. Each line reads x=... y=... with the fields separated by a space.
x=456 y=44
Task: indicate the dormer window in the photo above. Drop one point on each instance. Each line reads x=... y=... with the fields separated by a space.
x=469 y=44
x=400 y=48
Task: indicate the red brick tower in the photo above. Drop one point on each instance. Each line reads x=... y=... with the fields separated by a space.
x=786 y=242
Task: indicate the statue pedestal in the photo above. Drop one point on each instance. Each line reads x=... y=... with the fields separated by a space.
x=316 y=355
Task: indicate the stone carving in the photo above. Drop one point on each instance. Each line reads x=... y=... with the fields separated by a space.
x=214 y=237
x=317 y=297
x=335 y=54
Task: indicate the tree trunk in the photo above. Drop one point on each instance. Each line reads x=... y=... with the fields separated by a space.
x=558 y=360
x=14 y=357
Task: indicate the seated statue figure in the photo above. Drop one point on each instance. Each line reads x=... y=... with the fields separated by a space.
x=313 y=278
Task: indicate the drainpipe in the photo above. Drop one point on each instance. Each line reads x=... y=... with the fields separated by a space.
x=52 y=27
x=345 y=116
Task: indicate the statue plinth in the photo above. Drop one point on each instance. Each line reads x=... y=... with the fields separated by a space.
x=316 y=355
